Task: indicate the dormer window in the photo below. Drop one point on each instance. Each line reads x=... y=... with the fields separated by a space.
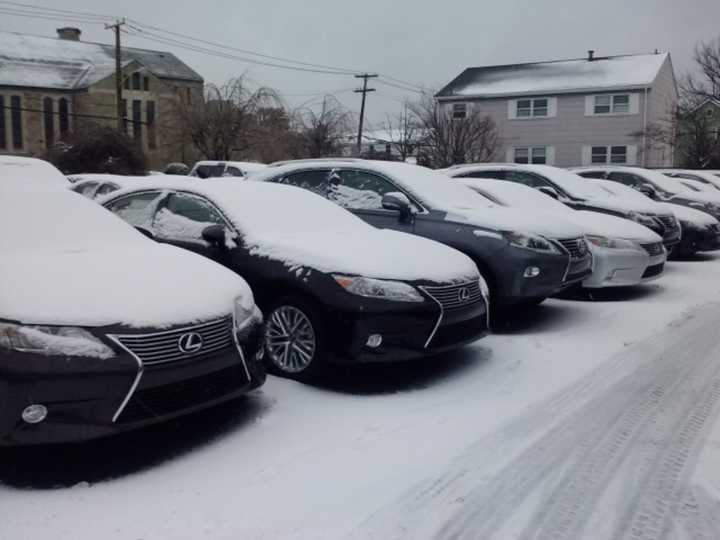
x=136 y=81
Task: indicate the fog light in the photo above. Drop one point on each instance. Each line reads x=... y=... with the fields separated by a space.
x=374 y=341
x=531 y=271
x=34 y=414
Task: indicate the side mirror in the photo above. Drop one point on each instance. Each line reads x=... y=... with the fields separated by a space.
x=550 y=192
x=214 y=234
x=399 y=202
x=147 y=233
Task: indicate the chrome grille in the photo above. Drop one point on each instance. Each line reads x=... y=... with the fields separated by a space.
x=654 y=249
x=573 y=246
x=161 y=347
x=456 y=296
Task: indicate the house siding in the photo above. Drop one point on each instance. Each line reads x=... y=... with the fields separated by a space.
x=662 y=106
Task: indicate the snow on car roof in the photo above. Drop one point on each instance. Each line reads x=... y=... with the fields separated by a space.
x=301 y=228
x=559 y=76
x=26 y=168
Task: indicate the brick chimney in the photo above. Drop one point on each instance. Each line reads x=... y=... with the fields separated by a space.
x=69 y=32
x=591 y=55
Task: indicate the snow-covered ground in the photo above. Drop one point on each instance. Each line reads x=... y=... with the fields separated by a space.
x=582 y=419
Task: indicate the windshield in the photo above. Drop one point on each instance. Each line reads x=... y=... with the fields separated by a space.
x=665 y=183
x=620 y=190
x=510 y=194
x=574 y=185
x=57 y=220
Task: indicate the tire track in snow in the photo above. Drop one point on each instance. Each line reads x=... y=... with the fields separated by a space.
x=589 y=430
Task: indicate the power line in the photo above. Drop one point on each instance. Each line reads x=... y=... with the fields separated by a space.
x=85 y=14
x=48 y=17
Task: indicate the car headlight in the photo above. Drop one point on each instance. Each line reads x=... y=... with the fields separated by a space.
x=530 y=241
x=379 y=288
x=52 y=341
x=642 y=219
x=245 y=312
x=612 y=243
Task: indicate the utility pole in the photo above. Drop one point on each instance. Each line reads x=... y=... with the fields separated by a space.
x=364 y=90
x=118 y=75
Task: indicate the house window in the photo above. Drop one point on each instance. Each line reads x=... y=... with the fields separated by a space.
x=151 y=131
x=126 y=83
x=3 y=141
x=16 y=121
x=137 y=120
x=146 y=84
x=612 y=104
x=48 y=122
x=125 y=116
x=136 y=81
x=63 y=117
x=459 y=111
x=609 y=154
x=531 y=154
x=188 y=95
x=528 y=108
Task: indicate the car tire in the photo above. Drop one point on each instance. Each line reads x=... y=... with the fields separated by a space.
x=294 y=338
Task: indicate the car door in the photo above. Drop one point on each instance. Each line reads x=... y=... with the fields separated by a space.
x=362 y=191
x=180 y=220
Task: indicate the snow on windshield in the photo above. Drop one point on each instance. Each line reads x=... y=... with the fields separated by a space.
x=55 y=219
x=433 y=187
x=574 y=185
x=671 y=185
x=517 y=195
x=619 y=190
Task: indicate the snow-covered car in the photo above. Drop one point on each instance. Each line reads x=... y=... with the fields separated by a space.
x=94 y=186
x=524 y=259
x=573 y=191
x=103 y=330
x=624 y=252
x=700 y=231
x=216 y=169
x=32 y=170
x=655 y=185
x=333 y=288
x=699 y=175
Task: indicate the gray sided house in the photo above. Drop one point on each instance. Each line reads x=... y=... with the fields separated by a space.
x=50 y=87
x=573 y=112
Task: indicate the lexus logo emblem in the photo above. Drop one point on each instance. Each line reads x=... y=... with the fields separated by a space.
x=464 y=294
x=190 y=343
x=581 y=247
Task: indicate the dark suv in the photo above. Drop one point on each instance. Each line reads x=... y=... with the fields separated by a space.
x=524 y=259
x=332 y=288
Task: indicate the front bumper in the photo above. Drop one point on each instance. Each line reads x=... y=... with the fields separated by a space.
x=623 y=267
x=696 y=239
x=88 y=398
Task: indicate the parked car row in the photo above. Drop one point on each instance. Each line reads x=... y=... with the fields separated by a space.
x=169 y=294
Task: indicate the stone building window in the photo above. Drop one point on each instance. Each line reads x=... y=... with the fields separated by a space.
x=137 y=120
x=48 y=121
x=16 y=121
x=3 y=140
x=151 y=131
x=64 y=117
x=146 y=84
x=136 y=81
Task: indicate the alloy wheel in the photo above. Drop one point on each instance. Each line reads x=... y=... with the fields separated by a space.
x=290 y=339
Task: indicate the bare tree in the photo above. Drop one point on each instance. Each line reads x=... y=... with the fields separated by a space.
x=707 y=83
x=320 y=134
x=403 y=132
x=226 y=123
x=449 y=140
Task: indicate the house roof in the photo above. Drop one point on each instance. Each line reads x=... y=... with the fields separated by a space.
x=44 y=62
x=558 y=76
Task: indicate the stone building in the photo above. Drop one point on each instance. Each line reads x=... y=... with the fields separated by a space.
x=51 y=87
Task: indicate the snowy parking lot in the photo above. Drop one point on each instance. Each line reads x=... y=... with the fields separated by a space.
x=581 y=419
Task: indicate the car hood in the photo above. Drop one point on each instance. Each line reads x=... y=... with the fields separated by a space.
x=499 y=218
x=690 y=214
x=140 y=286
x=618 y=204
x=613 y=227
x=375 y=253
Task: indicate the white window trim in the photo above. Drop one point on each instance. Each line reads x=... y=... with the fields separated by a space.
x=452 y=109
x=549 y=153
x=630 y=153
x=551 y=108
x=633 y=104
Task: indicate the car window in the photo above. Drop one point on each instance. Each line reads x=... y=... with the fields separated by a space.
x=209 y=171
x=107 y=187
x=626 y=179
x=691 y=177
x=137 y=209
x=184 y=216
x=233 y=171
x=527 y=179
x=591 y=174
x=86 y=188
x=359 y=190
x=499 y=175
x=316 y=180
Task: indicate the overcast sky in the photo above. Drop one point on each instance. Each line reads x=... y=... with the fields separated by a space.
x=422 y=43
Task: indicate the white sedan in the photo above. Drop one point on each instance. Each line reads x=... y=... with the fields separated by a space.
x=624 y=252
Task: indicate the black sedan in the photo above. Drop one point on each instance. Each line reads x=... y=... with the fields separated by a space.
x=332 y=287
x=103 y=330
